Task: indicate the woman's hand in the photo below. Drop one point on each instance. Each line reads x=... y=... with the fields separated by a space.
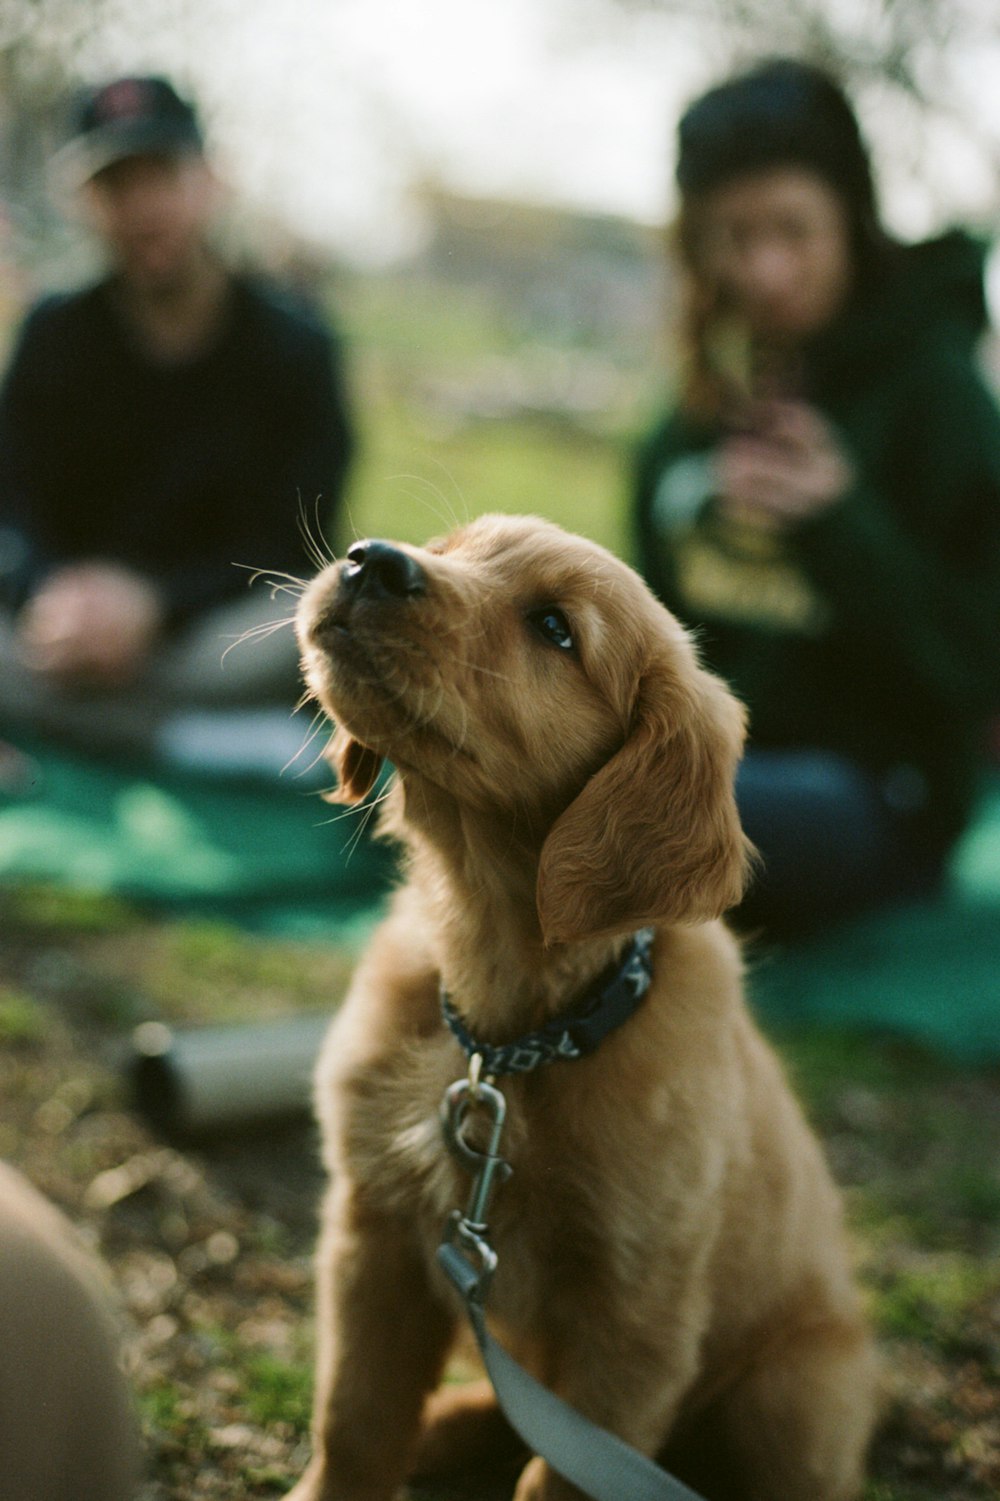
x=788 y=467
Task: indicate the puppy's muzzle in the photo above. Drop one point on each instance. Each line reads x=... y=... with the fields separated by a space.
x=379 y=571
x=373 y=578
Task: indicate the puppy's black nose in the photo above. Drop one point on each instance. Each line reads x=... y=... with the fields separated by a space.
x=378 y=569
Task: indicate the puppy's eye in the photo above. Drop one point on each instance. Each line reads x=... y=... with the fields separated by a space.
x=551 y=624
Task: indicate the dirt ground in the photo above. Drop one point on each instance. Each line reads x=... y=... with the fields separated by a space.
x=209 y=1244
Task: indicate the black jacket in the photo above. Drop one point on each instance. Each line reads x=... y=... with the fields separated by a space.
x=177 y=471
x=874 y=628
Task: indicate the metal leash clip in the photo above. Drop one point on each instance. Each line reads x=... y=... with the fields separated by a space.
x=465 y=1252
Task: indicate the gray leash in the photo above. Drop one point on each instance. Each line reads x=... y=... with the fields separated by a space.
x=594 y=1460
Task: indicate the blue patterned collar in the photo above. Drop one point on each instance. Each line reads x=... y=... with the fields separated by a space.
x=610 y=1002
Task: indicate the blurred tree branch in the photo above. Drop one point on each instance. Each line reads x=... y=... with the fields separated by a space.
x=39 y=41
x=894 y=40
x=914 y=51
x=47 y=48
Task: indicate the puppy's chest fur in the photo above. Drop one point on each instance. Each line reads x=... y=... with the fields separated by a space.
x=596 y=1172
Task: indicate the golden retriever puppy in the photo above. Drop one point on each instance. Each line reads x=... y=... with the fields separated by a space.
x=671 y=1255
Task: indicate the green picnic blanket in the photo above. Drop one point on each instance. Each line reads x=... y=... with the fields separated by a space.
x=929 y=971
x=265 y=852
x=271 y=855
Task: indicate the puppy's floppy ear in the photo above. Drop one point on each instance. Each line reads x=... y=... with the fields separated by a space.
x=655 y=834
x=356 y=765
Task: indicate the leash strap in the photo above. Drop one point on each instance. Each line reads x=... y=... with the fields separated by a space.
x=589 y=1457
x=597 y=1462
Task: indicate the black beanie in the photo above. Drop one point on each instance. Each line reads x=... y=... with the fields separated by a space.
x=780 y=113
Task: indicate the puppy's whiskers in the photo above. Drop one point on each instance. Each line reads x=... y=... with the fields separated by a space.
x=444 y=511
x=318 y=549
x=487 y=672
x=362 y=814
x=368 y=812
x=276 y=578
x=259 y=633
x=315 y=728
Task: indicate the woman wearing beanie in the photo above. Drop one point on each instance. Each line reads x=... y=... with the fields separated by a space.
x=823 y=503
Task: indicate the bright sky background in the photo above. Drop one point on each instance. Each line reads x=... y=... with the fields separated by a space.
x=326 y=110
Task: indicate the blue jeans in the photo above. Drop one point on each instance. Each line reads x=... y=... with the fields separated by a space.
x=832 y=844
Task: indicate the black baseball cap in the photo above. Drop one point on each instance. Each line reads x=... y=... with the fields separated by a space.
x=143 y=116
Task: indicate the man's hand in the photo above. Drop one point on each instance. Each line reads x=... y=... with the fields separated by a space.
x=787 y=468
x=93 y=623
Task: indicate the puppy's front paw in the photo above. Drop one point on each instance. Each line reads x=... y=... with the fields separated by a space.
x=463 y=1430
x=316 y=1485
x=539 y=1482
x=320 y=1482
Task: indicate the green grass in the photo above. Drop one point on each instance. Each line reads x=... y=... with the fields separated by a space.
x=915 y=1140
x=933 y=1298
x=411 y=485
x=421 y=327
x=76 y=910
x=820 y=1060
x=421 y=470
x=22 y=1020
x=278 y=1391
x=163 y=1406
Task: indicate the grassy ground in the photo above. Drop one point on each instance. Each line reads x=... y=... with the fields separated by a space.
x=209 y=1246
x=427 y=463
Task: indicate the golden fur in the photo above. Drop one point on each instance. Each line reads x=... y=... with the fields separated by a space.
x=670 y=1242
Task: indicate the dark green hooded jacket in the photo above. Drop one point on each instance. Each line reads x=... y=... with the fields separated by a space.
x=873 y=629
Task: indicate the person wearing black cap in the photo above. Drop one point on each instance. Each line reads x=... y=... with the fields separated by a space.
x=823 y=501
x=156 y=429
